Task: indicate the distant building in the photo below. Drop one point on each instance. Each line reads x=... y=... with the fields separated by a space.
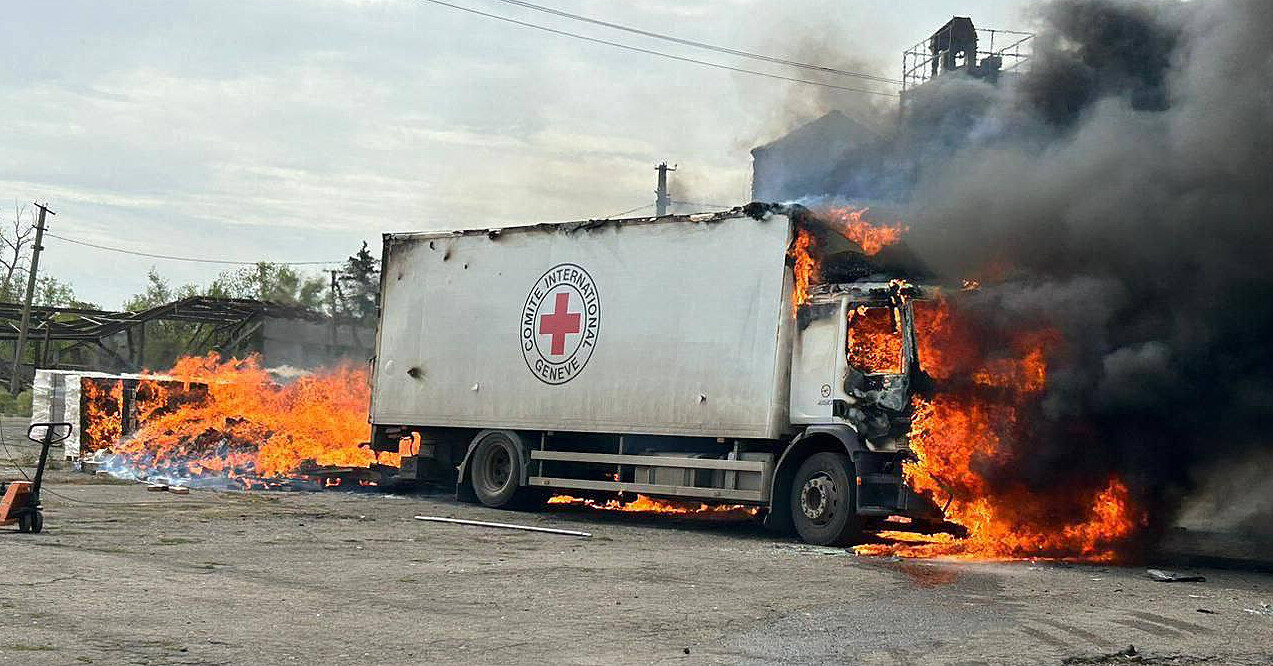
x=839 y=156
x=799 y=164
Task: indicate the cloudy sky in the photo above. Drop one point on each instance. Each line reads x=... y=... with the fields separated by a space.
x=292 y=130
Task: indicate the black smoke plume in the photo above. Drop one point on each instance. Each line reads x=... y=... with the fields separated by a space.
x=1122 y=190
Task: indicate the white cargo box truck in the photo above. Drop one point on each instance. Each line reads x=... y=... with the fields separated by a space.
x=660 y=356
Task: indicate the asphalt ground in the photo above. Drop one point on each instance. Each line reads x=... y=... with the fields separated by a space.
x=126 y=576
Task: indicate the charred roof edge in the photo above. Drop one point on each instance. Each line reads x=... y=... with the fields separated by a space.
x=756 y=210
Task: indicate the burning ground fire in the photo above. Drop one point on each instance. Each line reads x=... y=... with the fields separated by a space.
x=213 y=422
x=986 y=389
x=643 y=504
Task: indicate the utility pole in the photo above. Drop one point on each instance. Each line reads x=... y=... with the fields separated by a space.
x=661 y=198
x=334 y=333
x=23 y=329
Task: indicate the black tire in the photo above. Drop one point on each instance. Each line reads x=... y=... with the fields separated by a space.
x=37 y=522
x=824 y=500
x=495 y=471
x=24 y=522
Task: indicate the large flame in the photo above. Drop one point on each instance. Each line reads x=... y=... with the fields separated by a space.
x=870 y=237
x=874 y=343
x=103 y=401
x=971 y=433
x=959 y=434
x=804 y=267
x=229 y=419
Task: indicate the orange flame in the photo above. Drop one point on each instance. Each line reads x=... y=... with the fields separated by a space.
x=963 y=428
x=643 y=504
x=874 y=343
x=103 y=405
x=870 y=237
x=230 y=419
x=805 y=267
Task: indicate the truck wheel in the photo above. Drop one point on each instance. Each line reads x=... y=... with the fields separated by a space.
x=823 y=500
x=496 y=470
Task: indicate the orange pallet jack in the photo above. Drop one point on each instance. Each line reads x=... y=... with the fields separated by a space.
x=21 y=499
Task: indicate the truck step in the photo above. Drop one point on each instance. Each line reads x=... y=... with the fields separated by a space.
x=696 y=492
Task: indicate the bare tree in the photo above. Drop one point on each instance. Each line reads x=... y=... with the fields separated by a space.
x=14 y=246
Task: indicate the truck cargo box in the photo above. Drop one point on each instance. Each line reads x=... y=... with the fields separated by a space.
x=676 y=325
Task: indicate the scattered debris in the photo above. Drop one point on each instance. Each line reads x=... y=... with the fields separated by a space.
x=1127 y=655
x=1264 y=609
x=1208 y=611
x=812 y=550
x=156 y=487
x=506 y=526
x=1161 y=576
x=179 y=490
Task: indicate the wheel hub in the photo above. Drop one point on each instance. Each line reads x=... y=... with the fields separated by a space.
x=498 y=468
x=815 y=498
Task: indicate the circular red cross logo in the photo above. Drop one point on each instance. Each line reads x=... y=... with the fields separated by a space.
x=560 y=322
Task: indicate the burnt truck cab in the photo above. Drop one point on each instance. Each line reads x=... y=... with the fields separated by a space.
x=854 y=369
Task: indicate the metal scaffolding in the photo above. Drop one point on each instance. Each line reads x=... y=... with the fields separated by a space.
x=223 y=324
x=959 y=46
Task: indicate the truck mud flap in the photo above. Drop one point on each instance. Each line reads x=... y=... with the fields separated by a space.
x=881 y=488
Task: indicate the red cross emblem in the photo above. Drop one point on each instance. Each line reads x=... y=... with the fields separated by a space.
x=560 y=323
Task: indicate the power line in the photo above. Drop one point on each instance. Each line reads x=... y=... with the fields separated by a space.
x=660 y=54
x=704 y=205
x=630 y=210
x=197 y=260
x=701 y=45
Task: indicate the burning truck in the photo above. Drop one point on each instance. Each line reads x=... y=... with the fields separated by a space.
x=768 y=360
x=685 y=357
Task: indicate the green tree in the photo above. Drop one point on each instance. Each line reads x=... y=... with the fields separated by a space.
x=276 y=283
x=158 y=292
x=359 y=281
x=165 y=340
x=52 y=292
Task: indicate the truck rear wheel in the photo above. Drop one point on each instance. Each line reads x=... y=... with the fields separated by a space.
x=824 y=500
x=496 y=470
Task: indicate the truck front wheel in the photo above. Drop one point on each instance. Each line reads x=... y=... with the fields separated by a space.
x=824 y=500
x=496 y=470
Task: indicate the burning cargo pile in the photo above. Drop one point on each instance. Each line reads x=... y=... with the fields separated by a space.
x=208 y=422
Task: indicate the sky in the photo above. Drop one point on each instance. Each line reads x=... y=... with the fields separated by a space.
x=294 y=130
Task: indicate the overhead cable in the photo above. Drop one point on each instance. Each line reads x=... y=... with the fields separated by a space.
x=711 y=47
x=199 y=260
x=660 y=54
x=630 y=210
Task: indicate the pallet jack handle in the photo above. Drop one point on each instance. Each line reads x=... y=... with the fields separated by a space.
x=51 y=434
